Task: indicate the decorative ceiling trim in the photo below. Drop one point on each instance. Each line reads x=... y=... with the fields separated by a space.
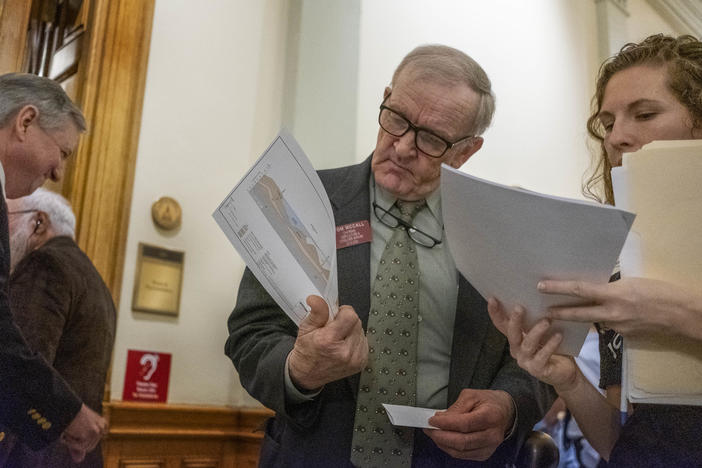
x=685 y=16
x=621 y=4
x=612 y=31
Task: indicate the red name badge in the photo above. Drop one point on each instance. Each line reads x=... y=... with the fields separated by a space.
x=353 y=234
x=147 y=375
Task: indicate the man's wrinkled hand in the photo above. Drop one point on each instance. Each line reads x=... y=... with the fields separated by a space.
x=83 y=433
x=327 y=350
x=475 y=425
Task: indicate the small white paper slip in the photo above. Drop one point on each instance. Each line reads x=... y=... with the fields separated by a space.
x=410 y=416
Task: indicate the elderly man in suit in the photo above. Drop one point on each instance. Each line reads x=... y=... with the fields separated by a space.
x=39 y=129
x=63 y=308
x=413 y=330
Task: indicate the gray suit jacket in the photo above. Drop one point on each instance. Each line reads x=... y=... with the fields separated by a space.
x=318 y=433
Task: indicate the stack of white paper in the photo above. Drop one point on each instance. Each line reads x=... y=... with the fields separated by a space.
x=661 y=183
x=505 y=240
x=278 y=217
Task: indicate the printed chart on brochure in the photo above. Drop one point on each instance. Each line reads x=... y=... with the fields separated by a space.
x=279 y=219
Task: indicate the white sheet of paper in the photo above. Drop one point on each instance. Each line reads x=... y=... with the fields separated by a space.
x=661 y=183
x=278 y=217
x=504 y=240
x=410 y=416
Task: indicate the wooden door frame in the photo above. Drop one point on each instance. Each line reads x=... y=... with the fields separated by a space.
x=111 y=97
x=14 y=19
x=112 y=74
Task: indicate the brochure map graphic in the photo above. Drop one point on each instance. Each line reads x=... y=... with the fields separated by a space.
x=292 y=232
x=279 y=219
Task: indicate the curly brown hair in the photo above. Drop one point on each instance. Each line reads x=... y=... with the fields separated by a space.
x=682 y=56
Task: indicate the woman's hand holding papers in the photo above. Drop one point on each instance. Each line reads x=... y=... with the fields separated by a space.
x=534 y=353
x=632 y=306
x=526 y=347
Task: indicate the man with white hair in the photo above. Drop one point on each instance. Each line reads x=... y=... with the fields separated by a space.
x=39 y=129
x=63 y=308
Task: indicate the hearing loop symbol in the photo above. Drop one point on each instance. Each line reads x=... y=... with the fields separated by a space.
x=149 y=363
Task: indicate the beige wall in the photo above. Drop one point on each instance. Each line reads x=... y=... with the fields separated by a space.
x=224 y=75
x=539 y=56
x=212 y=102
x=322 y=79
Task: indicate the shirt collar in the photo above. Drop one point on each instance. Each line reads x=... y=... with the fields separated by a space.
x=386 y=200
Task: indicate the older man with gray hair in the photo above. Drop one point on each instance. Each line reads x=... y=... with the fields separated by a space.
x=39 y=129
x=412 y=331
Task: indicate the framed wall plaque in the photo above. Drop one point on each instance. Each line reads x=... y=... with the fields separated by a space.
x=158 y=280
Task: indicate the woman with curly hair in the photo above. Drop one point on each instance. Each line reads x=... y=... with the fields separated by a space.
x=650 y=90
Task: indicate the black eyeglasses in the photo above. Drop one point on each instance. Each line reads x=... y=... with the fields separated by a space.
x=425 y=140
x=392 y=221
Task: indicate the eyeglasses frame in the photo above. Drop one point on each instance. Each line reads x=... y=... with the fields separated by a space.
x=409 y=228
x=416 y=129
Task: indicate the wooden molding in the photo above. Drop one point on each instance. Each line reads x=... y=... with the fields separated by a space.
x=100 y=186
x=146 y=435
x=146 y=420
x=14 y=17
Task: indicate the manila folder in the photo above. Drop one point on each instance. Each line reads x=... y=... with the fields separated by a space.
x=661 y=184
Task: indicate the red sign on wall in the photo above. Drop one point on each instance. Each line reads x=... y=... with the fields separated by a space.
x=147 y=376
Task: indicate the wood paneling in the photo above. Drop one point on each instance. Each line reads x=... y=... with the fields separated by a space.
x=101 y=61
x=52 y=24
x=128 y=463
x=14 y=17
x=182 y=436
x=201 y=463
x=100 y=186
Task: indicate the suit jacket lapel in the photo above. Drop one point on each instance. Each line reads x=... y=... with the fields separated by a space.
x=469 y=332
x=348 y=193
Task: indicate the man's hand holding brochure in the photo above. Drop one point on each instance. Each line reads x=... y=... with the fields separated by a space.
x=278 y=217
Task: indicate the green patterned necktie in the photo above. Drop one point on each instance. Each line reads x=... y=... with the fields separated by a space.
x=391 y=373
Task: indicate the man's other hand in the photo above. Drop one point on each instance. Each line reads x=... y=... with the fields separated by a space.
x=84 y=433
x=327 y=350
x=475 y=425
